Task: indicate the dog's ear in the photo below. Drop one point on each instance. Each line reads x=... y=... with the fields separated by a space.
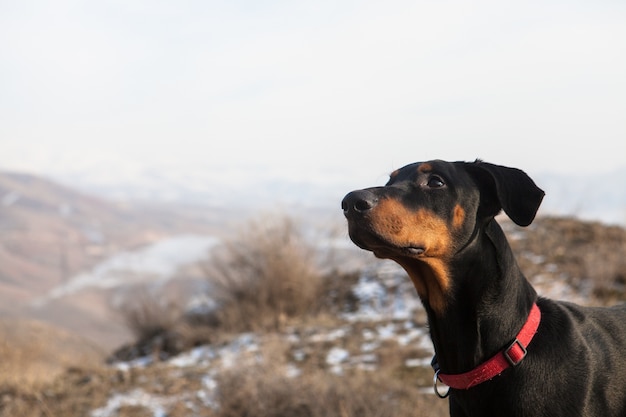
x=508 y=189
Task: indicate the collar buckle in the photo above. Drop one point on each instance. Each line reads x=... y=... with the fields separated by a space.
x=515 y=353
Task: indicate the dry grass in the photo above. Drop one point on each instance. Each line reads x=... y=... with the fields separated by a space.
x=264 y=389
x=244 y=392
x=587 y=255
x=34 y=354
x=149 y=315
x=264 y=276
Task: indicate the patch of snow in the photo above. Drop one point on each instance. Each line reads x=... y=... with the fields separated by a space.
x=137 y=398
x=336 y=334
x=207 y=394
x=336 y=356
x=370 y=346
x=299 y=355
x=417 y=362
x=200 y=355
x=384 y=292
x=368 y=334
x=369 y=358
x=425 y=343
x=230 y=353
x=369 y=292
x=411 y=336
x=135 y=363
x=293 y=338
x=292 y=371
x=386 y=331
x=200 y=305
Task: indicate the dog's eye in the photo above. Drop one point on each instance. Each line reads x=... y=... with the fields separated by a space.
x=435 y=182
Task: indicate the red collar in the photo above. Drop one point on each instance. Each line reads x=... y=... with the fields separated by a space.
x=511 y=356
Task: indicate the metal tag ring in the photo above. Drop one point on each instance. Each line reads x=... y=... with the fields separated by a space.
x=435 y=380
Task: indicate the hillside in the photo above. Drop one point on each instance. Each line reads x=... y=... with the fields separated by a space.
x=35 y=353
x=363 y=346
x=50 y=233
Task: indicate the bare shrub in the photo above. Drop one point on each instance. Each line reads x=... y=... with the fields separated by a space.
x=147 y=316
x=264 y=275
x=157 y=325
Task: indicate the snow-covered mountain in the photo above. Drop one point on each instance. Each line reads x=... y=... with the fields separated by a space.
x=592 y=196
x=212 y=187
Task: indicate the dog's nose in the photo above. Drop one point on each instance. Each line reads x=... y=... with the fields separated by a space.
x=358 y=202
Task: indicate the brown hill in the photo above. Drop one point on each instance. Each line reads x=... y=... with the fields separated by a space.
x=35 y=353
x=49 y=233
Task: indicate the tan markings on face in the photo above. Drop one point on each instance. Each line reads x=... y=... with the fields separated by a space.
x=393 y=174
x=425 y=167
x=458 y=217
x=404 y=228
x=430 y=278
x=422 y=228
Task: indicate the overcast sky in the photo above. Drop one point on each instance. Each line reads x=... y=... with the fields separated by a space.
x=349 y=89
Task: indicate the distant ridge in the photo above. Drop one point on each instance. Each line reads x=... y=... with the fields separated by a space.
x=589 y=195
x=50 y=233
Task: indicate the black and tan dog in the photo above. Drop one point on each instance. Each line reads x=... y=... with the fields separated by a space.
x=503 y=351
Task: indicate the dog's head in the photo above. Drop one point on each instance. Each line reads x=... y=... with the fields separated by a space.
x=428 y=211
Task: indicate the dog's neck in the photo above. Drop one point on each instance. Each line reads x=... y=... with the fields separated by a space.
x=488 y=304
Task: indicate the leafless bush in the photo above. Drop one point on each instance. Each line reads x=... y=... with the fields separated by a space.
x=264 y=275
x=147 y=315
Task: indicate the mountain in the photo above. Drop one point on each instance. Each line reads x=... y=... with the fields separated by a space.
x=591 y=196
x=51 y=234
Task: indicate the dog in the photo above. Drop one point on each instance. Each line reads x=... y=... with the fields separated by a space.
x=501 y=350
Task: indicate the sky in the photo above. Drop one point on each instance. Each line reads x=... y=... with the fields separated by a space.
x=323 y=89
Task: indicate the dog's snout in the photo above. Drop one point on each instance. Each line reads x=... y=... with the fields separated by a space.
x=358 y=202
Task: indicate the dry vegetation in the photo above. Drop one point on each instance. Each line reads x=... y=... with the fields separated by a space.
x=262 y=392
x=34 y=354
x=589 y=256
x=264 y=277
x=267 y=282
